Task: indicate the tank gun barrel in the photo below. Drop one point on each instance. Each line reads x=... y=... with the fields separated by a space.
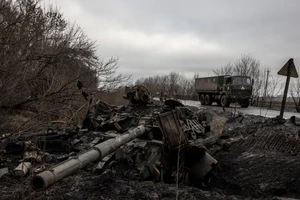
x=99 y=151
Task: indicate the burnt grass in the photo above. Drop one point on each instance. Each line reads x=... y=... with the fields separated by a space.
x=258 y=158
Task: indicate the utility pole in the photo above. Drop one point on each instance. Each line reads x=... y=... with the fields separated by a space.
x=266 y=87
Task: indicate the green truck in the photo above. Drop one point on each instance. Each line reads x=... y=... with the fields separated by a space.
x=224 y=90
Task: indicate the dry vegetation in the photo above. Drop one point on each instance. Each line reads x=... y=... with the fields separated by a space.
x=42 y=57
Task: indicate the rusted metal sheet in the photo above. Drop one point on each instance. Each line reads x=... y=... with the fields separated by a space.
x=172 y=129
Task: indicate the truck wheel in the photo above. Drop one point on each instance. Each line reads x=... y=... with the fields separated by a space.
x=202 y=99
x=219 y=102
x=224 y=101
x=245 y=104
x=208 y=100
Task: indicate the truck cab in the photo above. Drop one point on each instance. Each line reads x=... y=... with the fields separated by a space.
x=237 y=89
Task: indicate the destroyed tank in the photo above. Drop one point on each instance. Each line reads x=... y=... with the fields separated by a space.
x=152 y=139
x=159 y=142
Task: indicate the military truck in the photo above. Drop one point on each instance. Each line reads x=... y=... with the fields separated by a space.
x=224 y=90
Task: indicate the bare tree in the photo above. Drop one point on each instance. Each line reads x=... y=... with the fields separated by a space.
x=249 y=66
x=42 y=57
x=174 y=81
x=246 y=65
x=172 y=85
x=295 y=94
x=228 y=69
x=274 y=89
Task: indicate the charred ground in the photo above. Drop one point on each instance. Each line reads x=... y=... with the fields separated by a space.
x=257 y=158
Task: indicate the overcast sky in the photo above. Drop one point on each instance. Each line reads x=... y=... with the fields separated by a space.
x=153 y=37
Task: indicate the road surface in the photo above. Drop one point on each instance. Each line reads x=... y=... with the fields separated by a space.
x=250 y=110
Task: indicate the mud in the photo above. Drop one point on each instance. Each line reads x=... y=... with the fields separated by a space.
x=90 y=185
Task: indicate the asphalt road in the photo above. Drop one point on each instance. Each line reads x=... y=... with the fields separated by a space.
x=250 y=110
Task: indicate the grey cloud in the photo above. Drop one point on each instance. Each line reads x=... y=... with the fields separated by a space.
x=266 y=29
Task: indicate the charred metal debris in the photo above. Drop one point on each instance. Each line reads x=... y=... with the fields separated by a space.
x=162 y=141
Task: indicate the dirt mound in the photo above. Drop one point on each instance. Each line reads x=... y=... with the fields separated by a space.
x=259 y=166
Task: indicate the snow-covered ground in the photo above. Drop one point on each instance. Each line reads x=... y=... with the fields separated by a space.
x=250 y=110
x=236 y=108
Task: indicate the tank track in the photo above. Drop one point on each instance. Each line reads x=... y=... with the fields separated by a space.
x=262 y=165
x=270 y=141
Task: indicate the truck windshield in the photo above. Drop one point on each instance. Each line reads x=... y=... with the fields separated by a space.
x=241 y=80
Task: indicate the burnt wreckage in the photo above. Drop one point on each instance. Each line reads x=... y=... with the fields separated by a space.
x=160 y=142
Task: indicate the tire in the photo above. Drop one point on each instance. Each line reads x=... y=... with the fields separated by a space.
x=224 y=101
x=202 y=99
x=245 y=104
x=219 y=102
x=208 y=100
